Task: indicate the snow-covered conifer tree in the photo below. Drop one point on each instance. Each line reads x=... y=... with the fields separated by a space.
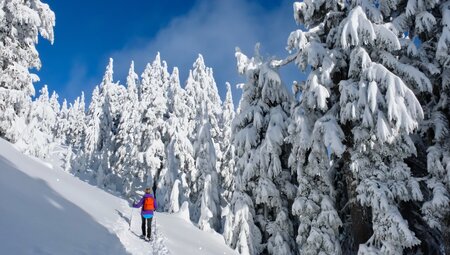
x=55 y=103
x=154 y=109
x=57 y=109
x=208 y=207
x=62 y=123
x=227 y=171
x=93 y=138
x=174 y=205
x=112 y=97
x=68 y=159
x=201 y=89
x=127 y=140
x=102 y=126
x=76 y=124
x=172 y=181
x=264 y=192
x=22 y=22
x=243 y=235
x=205 y=188
x=351 y=93
x=428 y=41
x=37 y=139
x=201 y=94
x=227 y=166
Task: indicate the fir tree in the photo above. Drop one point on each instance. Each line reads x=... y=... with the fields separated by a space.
x=37 y=139
x=227 y=165
x=205 y=197
x=112 y=96
x=76 y=124
x=93 y=138
x=172 y=182
x=373 y=109
x=426 y=48
x=264 y=191
x=154 y=109
x=227 y=172
x=62 y=123
x=128 y=136
x=202 y=94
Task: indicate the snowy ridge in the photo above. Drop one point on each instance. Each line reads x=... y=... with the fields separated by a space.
x=48 y=211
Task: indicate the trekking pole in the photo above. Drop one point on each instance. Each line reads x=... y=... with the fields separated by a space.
x=131 y=217
x=155 y=225
x=154 y=235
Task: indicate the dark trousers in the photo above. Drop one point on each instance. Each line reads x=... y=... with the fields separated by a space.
x=149 y=226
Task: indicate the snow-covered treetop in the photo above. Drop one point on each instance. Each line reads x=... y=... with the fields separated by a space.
x=266 y=77
x=145 y=77
x=228 y=103
x=173 y=91
x=132 y=78
x=82 y=102
x=159 y=74
x=43 y=94
x=175 y=76
x=155 y=76
x=203 y=77
x=54 y=102
x=199 y=63
x=157 y=61
x=108 y=77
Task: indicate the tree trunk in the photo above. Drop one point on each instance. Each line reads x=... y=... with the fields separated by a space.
x=361 y=225
x=360 y=229
x=446 y=234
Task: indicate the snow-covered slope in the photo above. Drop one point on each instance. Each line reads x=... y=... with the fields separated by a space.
x=44 y=210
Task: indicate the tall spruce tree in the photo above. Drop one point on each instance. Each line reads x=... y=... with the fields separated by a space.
x=426 y=48
x=179 y=149
x=154 y=82
x=351 y=93
x=264 y=192
x=37 y=139
x=207 y=198
x=93 y=135
x=202 y=93
x=112 y=98
x=76 y=126
x=127 y=141
x=57 y=109
x=60 y=134
x=227 y=165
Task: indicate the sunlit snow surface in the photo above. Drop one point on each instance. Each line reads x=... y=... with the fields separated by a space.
x=45 y=210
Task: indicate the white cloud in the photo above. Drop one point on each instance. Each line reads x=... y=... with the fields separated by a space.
x=214 y=29
x=77 y=79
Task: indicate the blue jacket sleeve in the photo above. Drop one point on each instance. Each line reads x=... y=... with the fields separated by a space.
x=139 y=204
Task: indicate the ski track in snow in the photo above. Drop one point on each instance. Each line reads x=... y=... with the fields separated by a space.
x=111 y=214
x=131 y=239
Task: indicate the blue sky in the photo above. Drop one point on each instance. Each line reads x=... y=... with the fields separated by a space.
x=87 y=33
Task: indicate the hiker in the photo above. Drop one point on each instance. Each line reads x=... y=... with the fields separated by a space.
x=148 y=204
